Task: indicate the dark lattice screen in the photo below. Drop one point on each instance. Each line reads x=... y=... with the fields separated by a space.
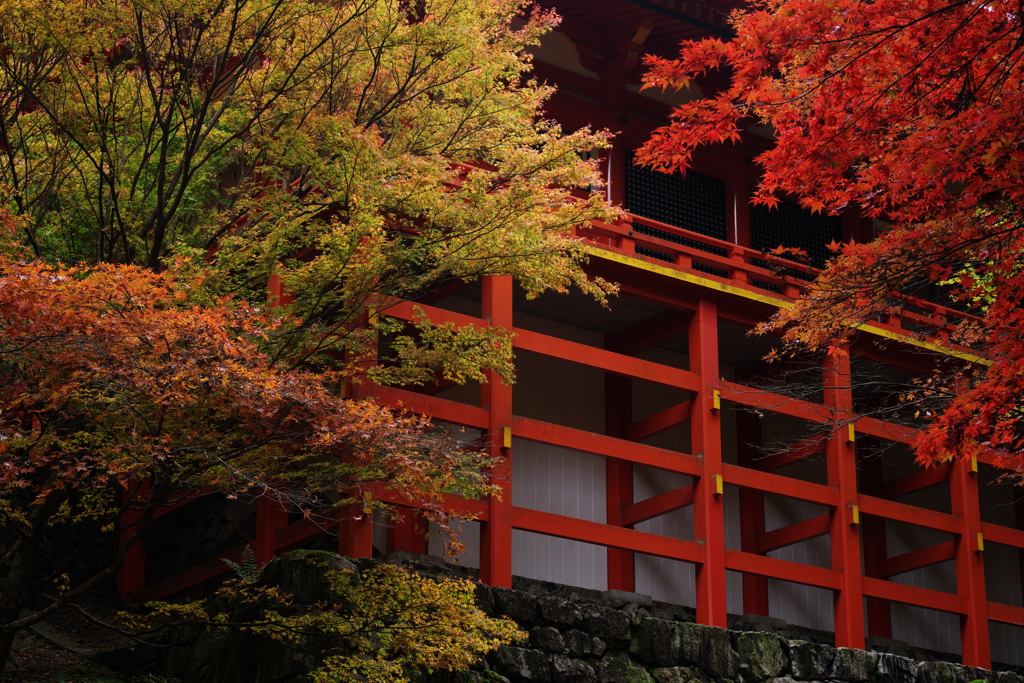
x=695 y=202
x=791 y=225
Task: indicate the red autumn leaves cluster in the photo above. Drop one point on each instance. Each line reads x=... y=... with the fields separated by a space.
x=910 y=111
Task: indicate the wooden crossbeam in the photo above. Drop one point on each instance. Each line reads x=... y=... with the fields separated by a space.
x=914 y=482
x=659 y=422
x=608 y=446
x=597 y=533
x=785 y=486
x=804 y=448
x=806 y=574
x=793 y=533
x=869 y=505
x=656 y=506
x=996 y=533
x=649 y=333
x=915 y=559
x=914 y=595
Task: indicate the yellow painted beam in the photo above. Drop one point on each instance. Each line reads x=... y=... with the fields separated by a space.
x=771 y=300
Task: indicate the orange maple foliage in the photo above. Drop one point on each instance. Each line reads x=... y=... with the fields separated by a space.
x=909 y=110
x=111 y=375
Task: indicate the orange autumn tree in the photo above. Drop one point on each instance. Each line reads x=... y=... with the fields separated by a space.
x=183 y=156
x=910 y=111
x=113 y=379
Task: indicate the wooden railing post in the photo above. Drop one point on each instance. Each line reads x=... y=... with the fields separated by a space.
x=844 y=534
x=708 y=492
x=496 y=398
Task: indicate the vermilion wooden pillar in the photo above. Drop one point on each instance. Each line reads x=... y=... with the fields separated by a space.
x=1019 y=510
x=970 y=565
x=131 y=578
x=618 y=478
x=355 y=532
x=408 y=533
x=496 y=398
x=755 y=587
x=844 y=535
x=708 y=505
x=875 y=549
x=271 y=515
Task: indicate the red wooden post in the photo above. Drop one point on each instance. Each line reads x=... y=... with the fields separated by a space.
x=875 y=550
x=131 y=578
x=970 y=564
x=271 y=515
x=496 y=398
x=708 y=503
x=615 y=168
x=408 y=533
x=844 y=535
x=618 y=478
x=1019 y=512
x=755 y=587
x=355 y=532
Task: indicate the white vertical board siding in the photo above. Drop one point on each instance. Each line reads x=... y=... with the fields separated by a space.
x=1003 y=584
x=468 y=534
x=918 y=626
x=795 y=603
x=563 y=482
x=1007 y=643
x=661 y=578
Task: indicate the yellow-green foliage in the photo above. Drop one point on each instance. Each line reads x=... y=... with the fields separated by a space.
x=380 y=629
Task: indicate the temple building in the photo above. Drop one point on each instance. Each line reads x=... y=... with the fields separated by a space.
x=646 y=446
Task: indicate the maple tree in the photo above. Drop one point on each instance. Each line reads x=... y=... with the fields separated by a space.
x=191 y=156
x=114 y=380
x=910 y=112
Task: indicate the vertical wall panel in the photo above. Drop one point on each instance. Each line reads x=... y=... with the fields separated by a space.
x=564 y=482
x=1007 y=643
x=795 y=603
x=662 y=578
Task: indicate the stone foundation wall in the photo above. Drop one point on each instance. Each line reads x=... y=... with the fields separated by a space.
x=586 y=636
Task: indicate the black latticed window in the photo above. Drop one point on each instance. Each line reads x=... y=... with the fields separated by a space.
x=791 y=225
x=693 y=202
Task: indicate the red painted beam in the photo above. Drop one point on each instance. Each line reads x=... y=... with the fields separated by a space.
x=608 y=446
x=656 y=506
x=806 y=574
x=891 y=566
x=901 y=512
x=204 y=571
x=437 y=408
x=775 y=483
x=659 y=422
x=776 y=403
x=793 y=533
x=885 y=430
x=649 y=333
x=601 y=534
x=804 y=448
x=606 y=361
x=913 y=595
x=178 y=503
x=914 y=482
x=457 y=507
x=1006 y=614
x=995 y=533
